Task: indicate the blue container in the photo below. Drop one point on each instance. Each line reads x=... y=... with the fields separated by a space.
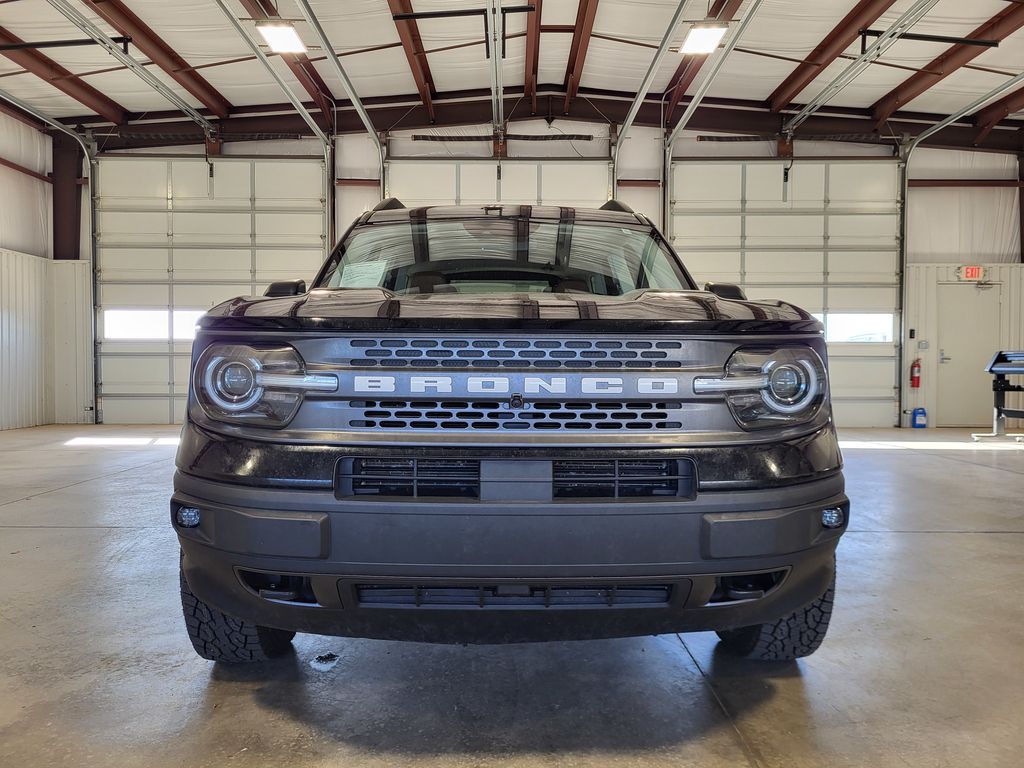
x=919 y=418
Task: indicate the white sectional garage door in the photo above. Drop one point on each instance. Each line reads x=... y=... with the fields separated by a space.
x=826 y=240
x=582 y=183
x=175 y=236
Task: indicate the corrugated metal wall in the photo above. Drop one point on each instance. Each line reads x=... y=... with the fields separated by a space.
x=922 y=310
x=23 y=328
x=46 y=353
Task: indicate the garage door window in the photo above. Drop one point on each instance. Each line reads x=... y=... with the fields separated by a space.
x=184 y=323
x=137 y=324
x=874 y=328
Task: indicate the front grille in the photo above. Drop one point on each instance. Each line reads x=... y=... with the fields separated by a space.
x=495 y=415
x=579 y=354
x=453 y=478
x=461 y=478
x=524 y=596
x=623 y=478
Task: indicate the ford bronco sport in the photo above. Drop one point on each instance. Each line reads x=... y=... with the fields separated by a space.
x=505 y=424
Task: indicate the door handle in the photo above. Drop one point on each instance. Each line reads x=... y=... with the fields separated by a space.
x=942 y=356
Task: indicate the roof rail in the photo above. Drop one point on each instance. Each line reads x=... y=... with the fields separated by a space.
x=390 y=204
x=615 y=205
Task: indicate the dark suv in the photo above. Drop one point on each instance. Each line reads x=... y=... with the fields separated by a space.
x=504 y=424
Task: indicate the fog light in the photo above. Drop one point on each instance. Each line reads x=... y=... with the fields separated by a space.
x=833 y=517
x=187 y=517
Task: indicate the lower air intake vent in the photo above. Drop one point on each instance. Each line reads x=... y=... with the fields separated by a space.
x=525 y=596
x=453 y=478
x=623 y=478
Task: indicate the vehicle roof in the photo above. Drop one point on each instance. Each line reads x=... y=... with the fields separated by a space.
x=540 y=212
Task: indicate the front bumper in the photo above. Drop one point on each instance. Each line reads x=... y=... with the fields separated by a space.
x=542 y=571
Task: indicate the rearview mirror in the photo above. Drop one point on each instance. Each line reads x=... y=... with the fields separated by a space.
x=286 y=288
x=726 y=291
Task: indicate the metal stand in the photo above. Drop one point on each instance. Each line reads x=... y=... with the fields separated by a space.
x=1003 y=364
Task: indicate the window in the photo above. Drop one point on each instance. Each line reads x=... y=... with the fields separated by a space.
x=184 y=323
x=137 y=324
x=872 y=328
x=150 y=324
x=505 y=255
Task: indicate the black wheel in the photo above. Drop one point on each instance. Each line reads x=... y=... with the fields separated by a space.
x=219 y=637
x=791 y=637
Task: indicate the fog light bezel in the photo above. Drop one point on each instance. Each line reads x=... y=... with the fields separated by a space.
x=833 y=518
x=181 y=523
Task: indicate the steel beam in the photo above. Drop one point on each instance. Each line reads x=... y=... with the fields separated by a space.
x=997 y=28
x=582 y=32
x=121 y=18
x=853 y=70
x=60 y=78
x=533 y=30
x=690 y=66
x=645 y=86
x=412 y=44
x=73 y=15
x=67 y=198
x=842 y=36
x=26 y=171
x=299 y=64
x=989 y=117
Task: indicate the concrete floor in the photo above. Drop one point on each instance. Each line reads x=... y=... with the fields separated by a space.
x=923 y=665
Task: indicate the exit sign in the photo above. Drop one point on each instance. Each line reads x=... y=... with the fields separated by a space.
x=972 y=272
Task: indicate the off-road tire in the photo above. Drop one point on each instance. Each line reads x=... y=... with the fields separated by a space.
x=791 y=637
x=219 y=637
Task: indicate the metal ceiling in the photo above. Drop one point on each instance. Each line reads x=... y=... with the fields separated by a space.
x=584 y=60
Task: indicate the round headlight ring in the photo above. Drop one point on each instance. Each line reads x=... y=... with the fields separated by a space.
x=231 y=383
x=799 y=382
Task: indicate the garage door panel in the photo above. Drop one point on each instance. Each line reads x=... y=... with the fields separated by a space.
x=863 y=267
x=134 y=375
x=209 y=258
x=131 y=295
x=193 y=186
x=478 y=181
x=585 y=184
x=796 y=231
x=766 y=186
x=861 y=377
x=289 y=228
x=136 y=410
x=810 y=298
x=519 y=183
x=863 y=185
x=877 y=230
x=864 y=413
x=220 y=264
x=707 y=231
x=289 y=184
x=862 y=298
x=133 y=180
x=713 y=267
x=707 y=185
x=275 y=264
x=430 y=182
x=776 y=267
x=207 y=296
x=133 y=263
x=132 y=227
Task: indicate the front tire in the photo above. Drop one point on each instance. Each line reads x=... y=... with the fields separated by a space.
x=792 y=637
x=219 y=637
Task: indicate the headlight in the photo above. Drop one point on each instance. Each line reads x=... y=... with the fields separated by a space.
x=238 y=383
x=771 y=387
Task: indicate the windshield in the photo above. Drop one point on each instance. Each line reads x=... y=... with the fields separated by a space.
x=504 y=255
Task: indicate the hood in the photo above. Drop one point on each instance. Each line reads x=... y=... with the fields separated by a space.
x=378 y=309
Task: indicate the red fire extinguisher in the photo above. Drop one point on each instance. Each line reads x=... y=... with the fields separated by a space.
x=915 y=374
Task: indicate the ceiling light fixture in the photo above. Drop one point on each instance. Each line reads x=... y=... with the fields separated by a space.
x=704 y=38
x=281 y=37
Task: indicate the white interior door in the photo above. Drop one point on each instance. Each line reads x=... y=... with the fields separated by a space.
x=968 y=317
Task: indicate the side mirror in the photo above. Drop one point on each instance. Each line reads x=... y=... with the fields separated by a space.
x=286 y=288
x=726 y=291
